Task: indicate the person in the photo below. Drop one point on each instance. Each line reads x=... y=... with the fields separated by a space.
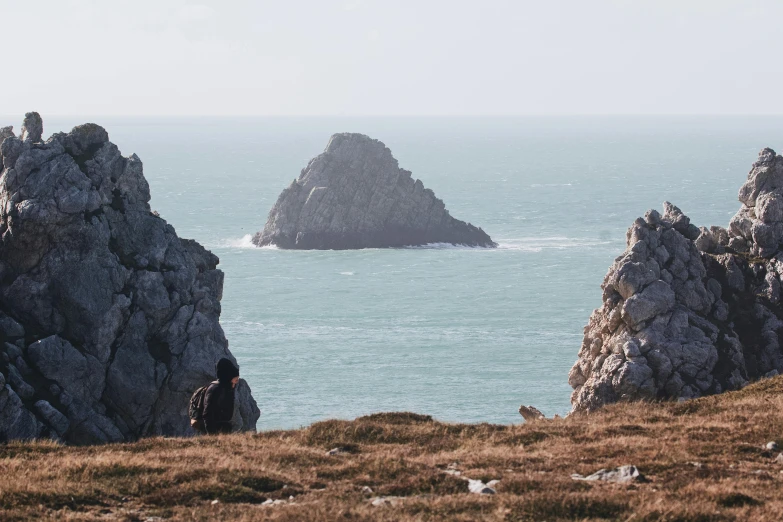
x=219 y=398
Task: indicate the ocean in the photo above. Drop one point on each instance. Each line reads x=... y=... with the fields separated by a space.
x=463 y=334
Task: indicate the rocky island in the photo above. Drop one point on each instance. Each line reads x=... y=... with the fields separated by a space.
x=355 y=195
x=690 y=311
x=108 y=320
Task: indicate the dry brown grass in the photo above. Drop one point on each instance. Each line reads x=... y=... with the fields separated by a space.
x=704 y=459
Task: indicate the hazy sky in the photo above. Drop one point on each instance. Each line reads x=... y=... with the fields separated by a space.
x=391 y=57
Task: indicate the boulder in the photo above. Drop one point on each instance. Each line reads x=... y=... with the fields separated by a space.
x=53 y=417
x=690 y=311
x=109 y=320
x=479 y=488
x=355 y=195
x=16 y=421
x=622 y=475
x=531 y=413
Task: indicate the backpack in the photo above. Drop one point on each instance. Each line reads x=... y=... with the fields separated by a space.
x=196 y=408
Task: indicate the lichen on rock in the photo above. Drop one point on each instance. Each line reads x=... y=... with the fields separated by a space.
x=108 y=320
x=355 y=195
x=690 y=311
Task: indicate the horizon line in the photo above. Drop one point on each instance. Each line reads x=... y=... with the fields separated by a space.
x=520 y=115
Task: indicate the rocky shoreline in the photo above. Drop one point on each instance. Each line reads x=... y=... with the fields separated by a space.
x=109 y=320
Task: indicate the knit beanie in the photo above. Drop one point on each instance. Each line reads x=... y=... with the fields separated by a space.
x=226 y=370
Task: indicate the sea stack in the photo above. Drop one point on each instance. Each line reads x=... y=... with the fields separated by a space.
x=690 y=311
x=108 y=320
x=355 y=195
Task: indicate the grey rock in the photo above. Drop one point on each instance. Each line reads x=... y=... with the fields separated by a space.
x=10 y=148
x=80 y=375
x=355 y=195
x=479 y=488
x=268 y=502
x=690 y=311
x=16 y=421
x=6 y=132
x=531 y=413
x=657 y=298
x=621 y=475
x=12 y=350
x=127 y=313
x=17 y=382
x=53 y=418
x=32 y=128
x=386 y=501
x=246 y=410
x=88 y=426
x=134 y=376
x=10 y=328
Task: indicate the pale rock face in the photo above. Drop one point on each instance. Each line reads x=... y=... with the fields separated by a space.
x=6 y=132
x=690 y=311
x=355 y=195
x=32 y=128
x=108 y=320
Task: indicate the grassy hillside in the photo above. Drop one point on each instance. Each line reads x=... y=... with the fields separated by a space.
x=704 y=461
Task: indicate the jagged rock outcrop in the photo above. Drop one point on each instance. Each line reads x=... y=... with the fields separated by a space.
x=690 y=311
x=108 y=320
x=355 y=195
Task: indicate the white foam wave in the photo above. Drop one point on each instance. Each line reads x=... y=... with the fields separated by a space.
x=347 y=273
x=439 y=246
x=537 y=185
x=537 y=244
x=245 y=241
x=525 y=244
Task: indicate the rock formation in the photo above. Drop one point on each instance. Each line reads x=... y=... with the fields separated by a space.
x=355 y=195
x=108 y=320
x=531 y=413
x=690 y=311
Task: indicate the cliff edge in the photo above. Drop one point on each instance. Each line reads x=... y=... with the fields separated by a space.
x=108 y=320
x=690 y=311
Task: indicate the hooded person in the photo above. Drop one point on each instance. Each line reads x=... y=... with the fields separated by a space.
x=219 y=398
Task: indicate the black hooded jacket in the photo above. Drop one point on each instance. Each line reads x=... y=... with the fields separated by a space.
x=219 y=399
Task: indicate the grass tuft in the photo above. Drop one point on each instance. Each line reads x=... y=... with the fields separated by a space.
x=732 y=500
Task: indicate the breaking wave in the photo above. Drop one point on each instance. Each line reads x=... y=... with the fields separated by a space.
x=245 y=241
x=525 y=244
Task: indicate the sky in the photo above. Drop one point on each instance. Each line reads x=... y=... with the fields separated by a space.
x=391 y=57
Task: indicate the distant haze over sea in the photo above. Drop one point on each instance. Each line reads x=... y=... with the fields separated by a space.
x=462 y=334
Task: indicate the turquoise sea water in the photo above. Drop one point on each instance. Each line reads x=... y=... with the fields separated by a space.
x=462 y=334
